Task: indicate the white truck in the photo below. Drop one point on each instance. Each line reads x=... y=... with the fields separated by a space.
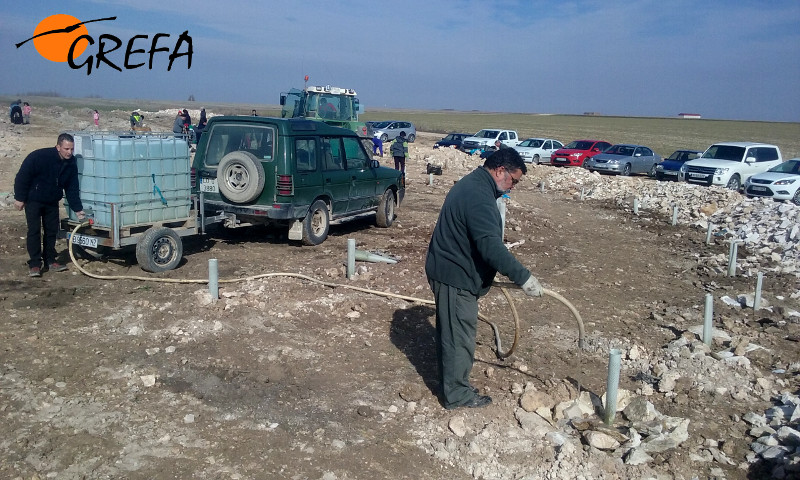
x=729 y=164
x=485 y=139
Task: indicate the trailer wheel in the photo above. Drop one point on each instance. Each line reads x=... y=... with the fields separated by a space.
x=160 y=249
x=240 y=177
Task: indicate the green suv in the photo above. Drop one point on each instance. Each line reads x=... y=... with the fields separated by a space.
x=298 y=173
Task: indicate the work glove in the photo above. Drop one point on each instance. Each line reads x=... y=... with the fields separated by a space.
x=532 y=287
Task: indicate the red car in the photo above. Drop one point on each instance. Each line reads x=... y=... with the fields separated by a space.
x=575 y=153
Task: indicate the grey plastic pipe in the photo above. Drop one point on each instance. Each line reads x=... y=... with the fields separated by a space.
x=612 y=385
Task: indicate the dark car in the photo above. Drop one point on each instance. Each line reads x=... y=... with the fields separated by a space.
x=296 y=173
x=670 y=168
x=452 y=140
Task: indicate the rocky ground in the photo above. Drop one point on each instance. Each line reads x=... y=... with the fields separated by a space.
x=287 y=378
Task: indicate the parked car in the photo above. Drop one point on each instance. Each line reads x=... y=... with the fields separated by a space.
x=781 y=182
x=624 y=159
x=670 y=168
x=390 y=129
x=296 y=173
x=576 y=152
x=537 y=150
x=451 y=140
x=485 y=139
x=730 y=164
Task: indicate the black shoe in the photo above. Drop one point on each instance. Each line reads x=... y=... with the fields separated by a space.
x=477 y=401
x=474 y=390
x=56 y=267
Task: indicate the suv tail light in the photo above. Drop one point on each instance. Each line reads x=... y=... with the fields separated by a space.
x=193 y=177
x=284 y=185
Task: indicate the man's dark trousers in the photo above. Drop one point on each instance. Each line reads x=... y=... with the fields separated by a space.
x=456 y=325
x=41 y=216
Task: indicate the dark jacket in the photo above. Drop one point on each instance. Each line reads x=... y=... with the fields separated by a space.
x=400 y=147
x=466 y=248
x=44 y=177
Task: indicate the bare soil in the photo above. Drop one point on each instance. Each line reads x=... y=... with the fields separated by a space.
x=285 y=378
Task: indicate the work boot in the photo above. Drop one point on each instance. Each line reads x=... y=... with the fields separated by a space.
x=477 y=401
x=56 y=267
x=35 y=272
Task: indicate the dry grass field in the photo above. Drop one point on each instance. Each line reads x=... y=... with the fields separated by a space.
x=664 y=135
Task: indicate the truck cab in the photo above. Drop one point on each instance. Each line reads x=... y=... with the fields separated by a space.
x=333 y=105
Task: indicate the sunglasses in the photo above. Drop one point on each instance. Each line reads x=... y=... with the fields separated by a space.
x=514 y=181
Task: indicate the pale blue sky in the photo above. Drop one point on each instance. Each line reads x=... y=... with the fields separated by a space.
x=722 y=59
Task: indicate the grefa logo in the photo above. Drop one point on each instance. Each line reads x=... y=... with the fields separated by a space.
x=63 y=38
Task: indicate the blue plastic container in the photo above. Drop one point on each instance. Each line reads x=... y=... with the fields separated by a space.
x=148 y=176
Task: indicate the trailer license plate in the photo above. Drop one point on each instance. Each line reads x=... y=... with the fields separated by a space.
x=84 y=241
x=209 y=185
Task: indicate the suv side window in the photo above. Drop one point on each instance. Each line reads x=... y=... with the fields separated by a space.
x=305 y=151
x=331 y=150
x=763 y=154
x=356 y=158
x=503 y=136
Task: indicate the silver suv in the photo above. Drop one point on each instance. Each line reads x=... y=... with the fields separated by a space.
x=390 y=129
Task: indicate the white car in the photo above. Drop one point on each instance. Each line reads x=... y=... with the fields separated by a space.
x=537 y=150
x=730 y=164
x=781 y=182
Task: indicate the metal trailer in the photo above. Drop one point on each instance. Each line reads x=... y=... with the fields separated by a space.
x=136 y=191
x=158 y=245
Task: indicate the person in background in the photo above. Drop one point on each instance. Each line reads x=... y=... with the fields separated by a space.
x=16 y=112
x=399 y=150
x=203 y=118
x=326 y=109
x=26 y=113
x=254 y=114
x=377 y=145
x=177 y=124
x=136 y=119
x=96 y=117
x=465 y=253
x=44 y=178
x=198 y=130
x=187 y=120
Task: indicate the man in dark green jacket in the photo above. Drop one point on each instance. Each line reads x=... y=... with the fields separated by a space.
x=465 y=253
x=399 y=150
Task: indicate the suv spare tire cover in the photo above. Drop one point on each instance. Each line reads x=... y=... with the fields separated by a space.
x=240 y=177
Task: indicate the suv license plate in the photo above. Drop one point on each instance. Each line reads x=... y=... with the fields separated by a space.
x=209 y=185
x=84 y=241
x=757 y=188
x=697 y=175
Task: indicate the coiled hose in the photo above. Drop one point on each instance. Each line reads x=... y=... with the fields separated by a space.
x=503 y=287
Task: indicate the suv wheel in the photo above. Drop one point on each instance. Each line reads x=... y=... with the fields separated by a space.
x=384 y=138
x=411 y=138
x=796 y=198
x=734 y=183
x=316 y=224
x=240 y=176
x=384 y=217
